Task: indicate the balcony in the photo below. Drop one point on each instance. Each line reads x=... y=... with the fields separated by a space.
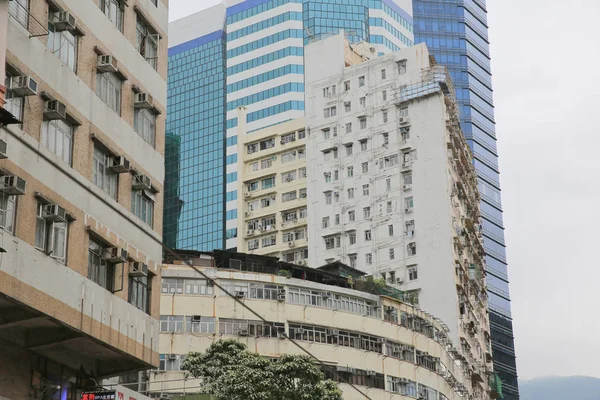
x=53 y=311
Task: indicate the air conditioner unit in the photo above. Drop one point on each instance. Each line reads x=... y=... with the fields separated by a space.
x=3 y=149
x=399 y=281
x=408 y=210
x=143 y=100
x=120 y=165
x=250 y=232
x=333 y=332
x=406 y=187
x=196 y=318
x=301 y=262
x=138 y=268
x=24 y=86
x=172 y=356
x=107 y=63
x=240 y=294
x=371 y=373
x=54 y=109
x=327 y=295
x=141 y=182
x=247 y=194
x=302 y=195
x=248 y=213
x=243 y=332
x=389 y=308
x=115 y=255
x=281 y=335
x=291 y=243
x=300 y=330
x=64 y=21
x=404 y=120
x=12 y=185
x=380 y=340
x=282 y=142
x=281 y=297
x=54 y=213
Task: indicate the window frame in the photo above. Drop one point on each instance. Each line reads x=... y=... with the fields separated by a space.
x=50 y=232
x=116 y=6
x=144 y=123
x=55 y=125
x=101 y=169
x=8 y=208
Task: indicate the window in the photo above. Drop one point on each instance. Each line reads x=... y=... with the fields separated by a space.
x=352 y=216
x=108 y=88
x=363 y=123
x=391 y=230
x=365 y=189
x=349 y=127
x=346 y=86
x=288 y=176
x=401 y=67
x=204 y=325
x=302 y=172
x=352 y=258
x=100 y=271
x=383 y=74
x=302 y=213
x=288 y=157
x=362 y=101
x=144 y=123
x=347 y=106
x=253 y=244
x=336 y=175
x=365 y=167
x=326 y=133
x=147 y=41
x=302 y=133
x=140 y=292
x=384 y=95
x=172 y=286
x=329 y=91
x=288 y=138
x=269 y=241
x=252 y=148
x=103 y=177
x=334 y=131
x=325 y=222
x=328 y=198
x=385 y=117
x=391 y=254
x=327 y=176
x=407 y=158
x=389 y=207
x=19 y=10
x=142 y=206
x=268 y=183
x=348 y=149
x=352 y=237
x=367 y=235
x=7 y=212
x=114 y=11
x=403 y=112
x=361 y=81
x=329 y=243
x=252 y=186
x=267 y=202
x=62 y=44
x=171 y=323
x=369 y=258
x=405 y=134
x=367 y=212
x=412 y=273
x=14 y=104
x=302 y=193
x=168 y=363
x=363 y=145
x=330 y=112
x=407 y=178
x=57 y=136
x=302 y=153
x=388 y=184
x=408 y=203
x=264 y=164
x=351 y=193
x=410 y=228
x=350 y=171
x=267 y=144
x=50 y=237
x=411 y=249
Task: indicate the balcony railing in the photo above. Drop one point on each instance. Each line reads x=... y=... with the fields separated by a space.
x=22 y=15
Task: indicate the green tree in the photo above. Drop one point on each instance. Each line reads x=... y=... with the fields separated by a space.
x=234 y=373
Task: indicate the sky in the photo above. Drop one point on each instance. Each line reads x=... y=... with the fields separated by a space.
x=546 y=77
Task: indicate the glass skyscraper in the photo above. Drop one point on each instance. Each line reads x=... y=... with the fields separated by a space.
x=456 y=33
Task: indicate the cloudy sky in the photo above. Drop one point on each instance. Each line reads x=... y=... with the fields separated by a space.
x=546 y=67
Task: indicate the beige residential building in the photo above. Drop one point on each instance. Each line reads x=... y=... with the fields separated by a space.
x=366 y=336
x=272 y=179
x=82 y=114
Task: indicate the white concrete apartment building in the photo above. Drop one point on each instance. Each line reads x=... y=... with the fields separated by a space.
x=391 y=191
x=388 y=348
x=272 y=179
x=81 y=140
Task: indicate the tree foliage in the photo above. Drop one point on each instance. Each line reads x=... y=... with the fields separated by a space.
x=234 y=373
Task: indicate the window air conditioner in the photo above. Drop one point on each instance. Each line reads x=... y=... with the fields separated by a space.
x=54 y=109
x=380 y=340
x=12 y=185
x=371 y=373
x=24 y=86
x=408 y=210
x=399 y=281
x=3 y=149
x=55 y=213
x=250 y=232
x=107 y=63
x=389 y=308
x=406 y=187
x=240 y=294
x=281 y=297
x=247 y=213
x=333 y=332
x=196 y=318
x=243 y=332
x=299 y=330
x=143 y=100
x=142 y=182
x=120 y=165
x=247 y=194
x=291 y=243
x=172 y=356
x=115 y=255
x=138 y=268
x=64 y=21
x=326 y=295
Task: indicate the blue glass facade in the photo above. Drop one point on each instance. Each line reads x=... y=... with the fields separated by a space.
x=194 y=212
x=456 y=32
